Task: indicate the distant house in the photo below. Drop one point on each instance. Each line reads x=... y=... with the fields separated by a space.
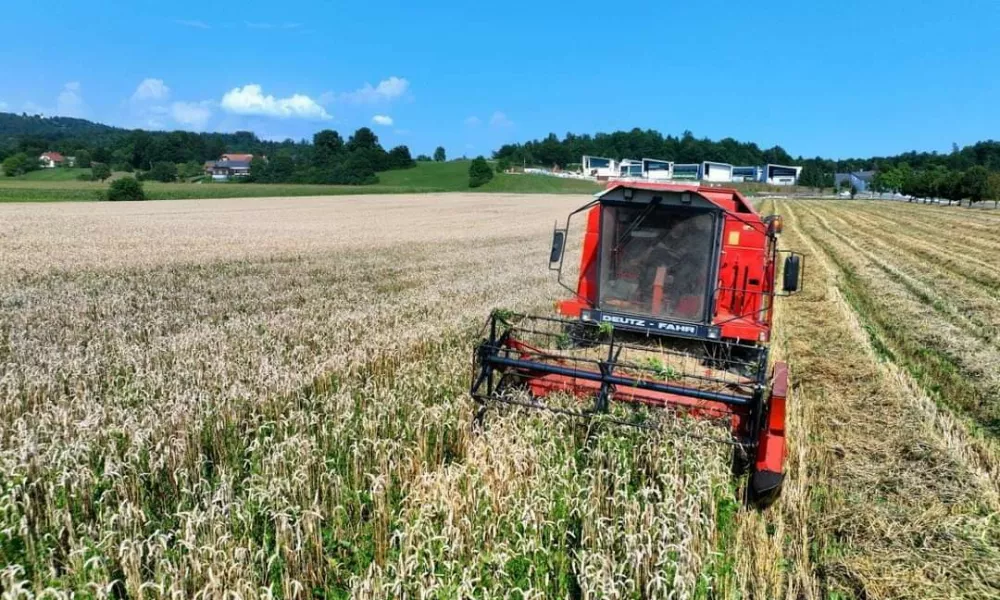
x=51 y=160
x=229 y=166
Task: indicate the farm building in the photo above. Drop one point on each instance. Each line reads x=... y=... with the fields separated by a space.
x=657 y=170
x=223 y=170
x=51 y=160
x=599 y=167
x=716 y=172
x=746 y=174
x=688 y=172
x=229 y=166
x=781 y=175
x=859 y=180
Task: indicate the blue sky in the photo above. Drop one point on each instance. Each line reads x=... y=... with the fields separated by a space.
x=837 y=79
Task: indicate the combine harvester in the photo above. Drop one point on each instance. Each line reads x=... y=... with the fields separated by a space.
x=672 y=310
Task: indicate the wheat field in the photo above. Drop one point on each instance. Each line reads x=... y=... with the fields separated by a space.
x=255 y=398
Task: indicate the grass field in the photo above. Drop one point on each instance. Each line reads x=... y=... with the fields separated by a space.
x=267 y=397
x=55 y=185
x=60 y=174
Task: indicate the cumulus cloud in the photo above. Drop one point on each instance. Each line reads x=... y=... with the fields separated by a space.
x=70 y=101
x=194 y=115
x=382 y=120
x=472 y=121
x=193 y=23
x=250 y=100
x=499 y=119
x=386 y=90
x=151 y=89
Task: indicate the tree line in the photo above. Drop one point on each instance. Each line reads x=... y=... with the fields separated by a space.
x=331 y=160
x=638 y=143
x=167 y=156
x=975 y=184
x=816 y=172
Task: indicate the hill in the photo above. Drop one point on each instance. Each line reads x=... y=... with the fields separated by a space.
x=13 y=128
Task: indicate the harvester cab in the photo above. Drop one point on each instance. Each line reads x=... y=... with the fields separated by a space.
x=671 y=309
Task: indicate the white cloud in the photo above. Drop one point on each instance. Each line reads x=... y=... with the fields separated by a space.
x=193 y=23
x=250 y=100
x=3 y=105
x=194 y=115
x=151 y=89
x=499 y=119
x=382 y=120
x=472 y=121
x=386 y=90
x=70 y=102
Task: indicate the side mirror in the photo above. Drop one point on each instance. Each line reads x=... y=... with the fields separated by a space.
x=793 y=266
x=774 y=224
x=558 y=242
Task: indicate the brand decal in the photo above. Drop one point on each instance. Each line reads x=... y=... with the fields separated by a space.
x=656 y=325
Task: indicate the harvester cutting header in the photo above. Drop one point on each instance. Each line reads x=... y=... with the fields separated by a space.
x=672 y=309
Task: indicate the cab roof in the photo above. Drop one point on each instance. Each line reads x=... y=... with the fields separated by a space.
x=728 y=199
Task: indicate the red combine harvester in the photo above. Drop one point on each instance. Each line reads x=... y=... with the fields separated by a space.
x=672 y=309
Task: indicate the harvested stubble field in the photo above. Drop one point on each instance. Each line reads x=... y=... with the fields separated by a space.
x=268 y=397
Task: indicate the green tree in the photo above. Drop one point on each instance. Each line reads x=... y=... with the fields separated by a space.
x=363 y=139
x=258 y=170
x=19 y=164
x=124 y=189
x=503 y=165
x=423 y=158
x=975 y=184
x=439 y=154
x=163 y=171
x=83 y=159
x=328 y=147
x=399 y=158
x=100 y=171
x=995 y=188
x=480 y=172
x=189 y=170
x=947 y=184
x=14 y=164
x=281 y=168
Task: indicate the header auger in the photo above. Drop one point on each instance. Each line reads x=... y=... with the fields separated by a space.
x=672 y=310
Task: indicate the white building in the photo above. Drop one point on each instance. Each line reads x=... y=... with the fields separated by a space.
x=599 y=167
x=686 y=172
x=51 y=160
x=630 y=168
x=781 y=175
x=747 y=174
x=715 y=172
x=657 y=170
